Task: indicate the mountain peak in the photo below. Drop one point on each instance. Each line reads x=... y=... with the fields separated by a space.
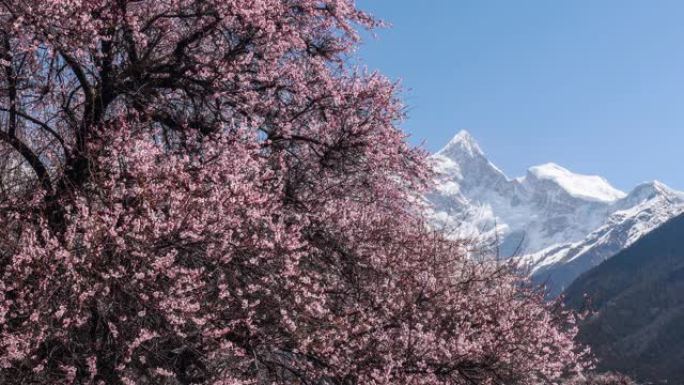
x=548 y=168
x=463 y=136
x=462 y=143
x=587 y=187
x=659 y=185
x=648 y=190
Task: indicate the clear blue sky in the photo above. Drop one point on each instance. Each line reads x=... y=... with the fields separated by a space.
x=596 y=86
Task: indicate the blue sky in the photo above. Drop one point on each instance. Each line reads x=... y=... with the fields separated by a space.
x=596 y=86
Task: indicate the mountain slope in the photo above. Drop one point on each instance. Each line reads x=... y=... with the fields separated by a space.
x=557 y=222
x=644 y=209
x=536 y=211
x=639 y=297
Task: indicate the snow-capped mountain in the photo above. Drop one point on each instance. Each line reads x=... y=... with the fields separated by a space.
x=557 y=222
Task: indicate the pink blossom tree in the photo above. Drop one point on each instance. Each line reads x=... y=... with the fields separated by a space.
x=204 y=193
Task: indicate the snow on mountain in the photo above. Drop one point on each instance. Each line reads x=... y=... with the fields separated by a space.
x=557 y=222
x=589 y=187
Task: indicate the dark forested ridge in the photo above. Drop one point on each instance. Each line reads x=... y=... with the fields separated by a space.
x=638 y=299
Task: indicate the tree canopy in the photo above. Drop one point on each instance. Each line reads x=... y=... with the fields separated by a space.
x=205 y=192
